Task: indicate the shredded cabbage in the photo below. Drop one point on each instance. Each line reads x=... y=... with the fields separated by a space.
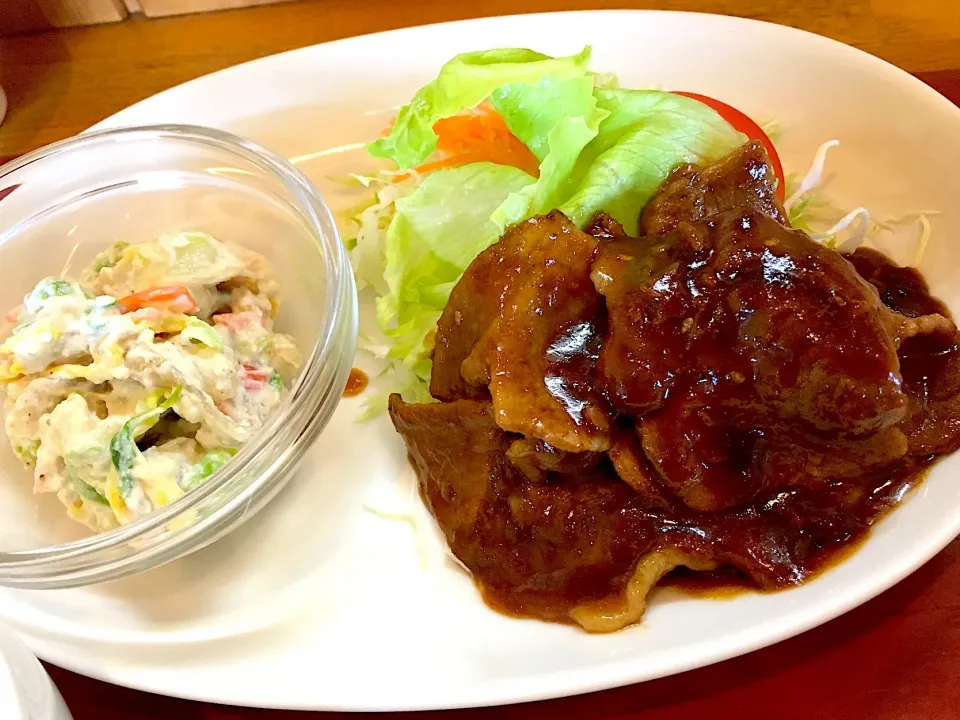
x=925 y=232
x=806 y=209
x=813 y=177
x=772 y=129
x=405 y=507
x=829 y=237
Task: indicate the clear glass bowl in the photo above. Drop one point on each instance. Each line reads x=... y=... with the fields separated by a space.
x=72 y=199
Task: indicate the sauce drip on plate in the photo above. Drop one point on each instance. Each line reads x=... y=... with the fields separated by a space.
x=356 y=383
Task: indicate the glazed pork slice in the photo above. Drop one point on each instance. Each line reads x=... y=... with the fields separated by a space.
x=734 y=332
x=586 y=548
x=577 y=551
x=929 y=350
x=911 y=310
x=537 y=459
x=631 y=464
x=806 y=332
x=604 y=228
x=743 y=179
x=712 y=463
x=459 y=455
x=647 y=338
x=498 y=524
x=525 y=322
x=474 y=304
x=775 y=321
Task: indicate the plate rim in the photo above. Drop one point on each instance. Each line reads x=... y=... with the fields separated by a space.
x=881 y=64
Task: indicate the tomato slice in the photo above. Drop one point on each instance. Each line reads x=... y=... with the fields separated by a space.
x=748 y=127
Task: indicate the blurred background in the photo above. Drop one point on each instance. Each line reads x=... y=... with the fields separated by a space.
x=67 y=64
x=32 y=15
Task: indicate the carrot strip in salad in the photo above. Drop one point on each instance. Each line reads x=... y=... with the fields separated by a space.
x=13 y=315
x=175 y=298
x=255 y=378
x=481 y=136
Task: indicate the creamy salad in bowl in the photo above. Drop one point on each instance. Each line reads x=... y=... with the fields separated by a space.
x=132 y=385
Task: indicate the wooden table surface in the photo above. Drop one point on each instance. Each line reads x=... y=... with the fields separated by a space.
x=896 y=658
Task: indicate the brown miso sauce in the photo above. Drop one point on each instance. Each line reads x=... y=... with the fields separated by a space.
x=356 y=383
x=726 y=582
x=721 y=584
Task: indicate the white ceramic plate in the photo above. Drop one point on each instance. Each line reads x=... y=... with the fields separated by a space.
x=317 y=603
x=26 y=691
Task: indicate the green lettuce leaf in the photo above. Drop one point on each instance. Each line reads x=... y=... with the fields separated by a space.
x=556 y=119
x=435 y=233
x=463 y=83
x=645 y=136
x=604 y=149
